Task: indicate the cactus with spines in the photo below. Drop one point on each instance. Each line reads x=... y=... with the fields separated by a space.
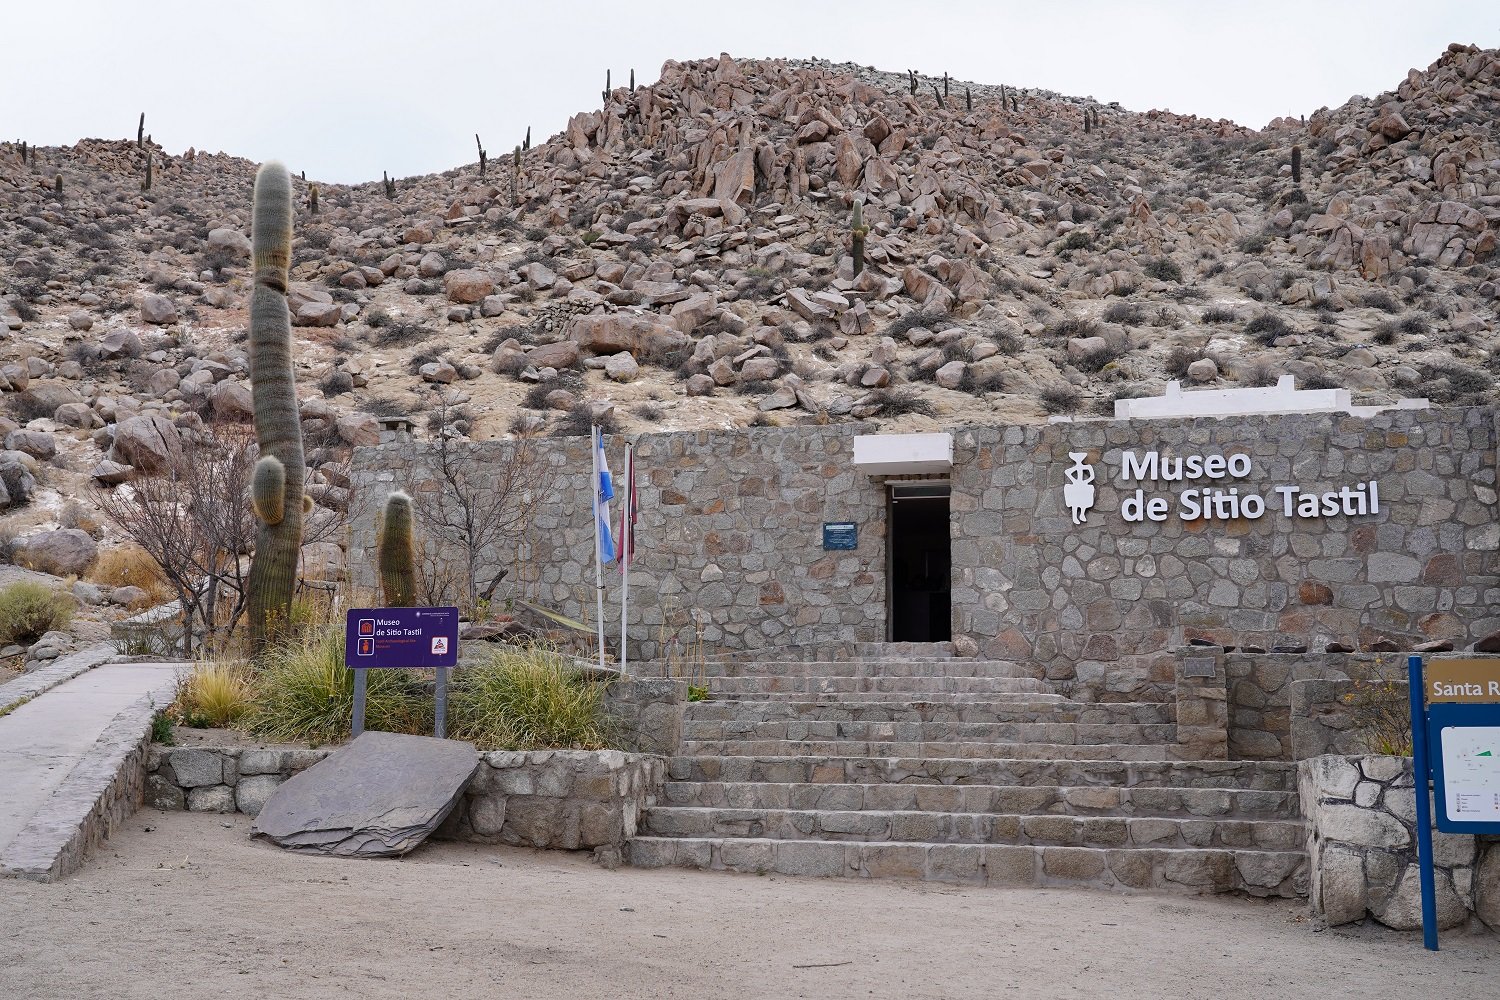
x=140 y=131
x=938 y=96
x=396 y=554
x=23 y=152
x=606 y=86
x=515 y=177
x=57 y=186
x=1296 y=164
x=483 y=155
x=390 y=185
x=912 y=81
x=526 y=145
x=968 y=100
x=632 y=81
x=1088 y=125
x=312 y=199
x=146 y=181
x=857 y=233
x=278 y=480
x=945 y=83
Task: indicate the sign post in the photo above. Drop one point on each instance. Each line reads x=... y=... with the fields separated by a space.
x=1455 y=742
x=401 y=638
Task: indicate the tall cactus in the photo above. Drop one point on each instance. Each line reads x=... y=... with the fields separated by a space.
x=397 y=556
x=857 y=233
x=1296 y=164
x=277 y=485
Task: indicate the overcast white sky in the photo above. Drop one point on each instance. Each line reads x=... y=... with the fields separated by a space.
x=344 y=90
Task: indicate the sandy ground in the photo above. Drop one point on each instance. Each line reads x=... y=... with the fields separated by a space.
x=192 y=908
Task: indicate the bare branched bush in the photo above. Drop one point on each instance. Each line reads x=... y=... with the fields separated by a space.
x=480 y=508
x=191 y=517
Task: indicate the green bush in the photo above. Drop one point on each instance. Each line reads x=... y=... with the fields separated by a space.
x=527 y=699
x=27 y=610
x=305 y=694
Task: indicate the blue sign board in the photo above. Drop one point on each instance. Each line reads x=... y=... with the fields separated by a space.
x=1455 y=736
x=839 y=535
x=401 y=637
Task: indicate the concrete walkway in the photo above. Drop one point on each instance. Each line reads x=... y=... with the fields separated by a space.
x=62 y=756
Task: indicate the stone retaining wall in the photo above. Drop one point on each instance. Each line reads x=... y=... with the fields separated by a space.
x=563 y=799
x=648 y=714
x=1361 y=816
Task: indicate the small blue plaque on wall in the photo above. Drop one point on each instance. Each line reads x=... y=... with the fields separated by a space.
x=840 y=535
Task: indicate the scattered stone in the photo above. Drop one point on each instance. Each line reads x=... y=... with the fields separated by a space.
x=61 y=552
x=379 y=796
x=158 y=310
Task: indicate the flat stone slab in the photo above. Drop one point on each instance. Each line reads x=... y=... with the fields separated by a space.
x=378 y=797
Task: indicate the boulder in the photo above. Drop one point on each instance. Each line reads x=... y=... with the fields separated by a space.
x=641 y=335
x=621 y=367
x=563 y=354
x=37 y=444
x=358 y=429
x=232 y=401
x=63 y=552
x=380 y=796
x=468 y=286
x=148 y=442
x=158 y=310
x=236 y=242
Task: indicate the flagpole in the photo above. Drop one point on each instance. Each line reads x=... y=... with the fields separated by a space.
x=627 y=549
x=595 y=442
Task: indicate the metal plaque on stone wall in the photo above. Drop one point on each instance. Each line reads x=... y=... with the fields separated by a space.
x=1198 y=666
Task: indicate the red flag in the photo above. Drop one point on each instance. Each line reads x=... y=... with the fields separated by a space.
x=629 y=514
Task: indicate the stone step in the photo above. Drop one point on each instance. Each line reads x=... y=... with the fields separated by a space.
x=868 y=668
x=836 y=698
x=1180 y=870
x=926 y=733
x=1079 y=800
x=936 y=750
x=973 y=828
x=1279 y=776
x=1028 y=710
x=910 y=687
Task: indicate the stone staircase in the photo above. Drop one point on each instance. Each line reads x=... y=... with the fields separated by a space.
x=965 y=771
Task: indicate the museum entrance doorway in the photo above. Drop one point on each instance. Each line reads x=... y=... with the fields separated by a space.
x=918 y=562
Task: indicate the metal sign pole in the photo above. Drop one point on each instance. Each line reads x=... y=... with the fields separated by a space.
x=1421 y=773
x=359 y=700
x=440 y=723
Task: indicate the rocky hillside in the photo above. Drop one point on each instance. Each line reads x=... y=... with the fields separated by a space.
x=681 y=258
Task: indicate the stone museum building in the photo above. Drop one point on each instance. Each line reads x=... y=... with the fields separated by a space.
x=1088 y=549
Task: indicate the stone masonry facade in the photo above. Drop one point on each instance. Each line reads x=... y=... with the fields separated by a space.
x=729 y=540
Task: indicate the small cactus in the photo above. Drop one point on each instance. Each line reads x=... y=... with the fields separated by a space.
x=57 y=186
x=857 y=233
x=1088 y=125
x=912 y=74
x=606 y=86
x=632 y=81
x=527 y=144
x=945 y=83
x=483 y=156
x=312 y=199
x=968 y=100
x=396 y=554
x=390 y=185
x=937 y=95
x=140 y=131
x=1296 y=164
x=146 y=181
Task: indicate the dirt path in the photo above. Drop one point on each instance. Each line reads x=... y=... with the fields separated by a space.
x=195 y=909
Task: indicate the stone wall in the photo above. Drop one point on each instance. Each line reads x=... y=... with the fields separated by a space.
x=562 y=799
x=1094 y=604
x=647 y=715
x=1361 y=816
x=729 y=537
x=730 y=541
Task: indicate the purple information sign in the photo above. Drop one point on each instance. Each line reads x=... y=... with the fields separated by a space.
x=401 y=637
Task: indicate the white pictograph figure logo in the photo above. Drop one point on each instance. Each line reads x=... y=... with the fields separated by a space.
x=1078 y=493
x=439 y=645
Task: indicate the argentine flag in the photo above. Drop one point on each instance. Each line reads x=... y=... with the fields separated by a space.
x=604 y=493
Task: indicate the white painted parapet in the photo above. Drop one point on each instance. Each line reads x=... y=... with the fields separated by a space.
x=903 y=454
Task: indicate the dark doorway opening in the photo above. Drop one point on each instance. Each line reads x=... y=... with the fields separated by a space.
x=920 y=563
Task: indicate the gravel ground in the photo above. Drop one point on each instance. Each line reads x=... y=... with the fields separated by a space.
x=186 y=905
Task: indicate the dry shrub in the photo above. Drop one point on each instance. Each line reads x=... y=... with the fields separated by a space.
x=130 y=565
x=213 y=695
x=29 y=610
x=528 y=698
